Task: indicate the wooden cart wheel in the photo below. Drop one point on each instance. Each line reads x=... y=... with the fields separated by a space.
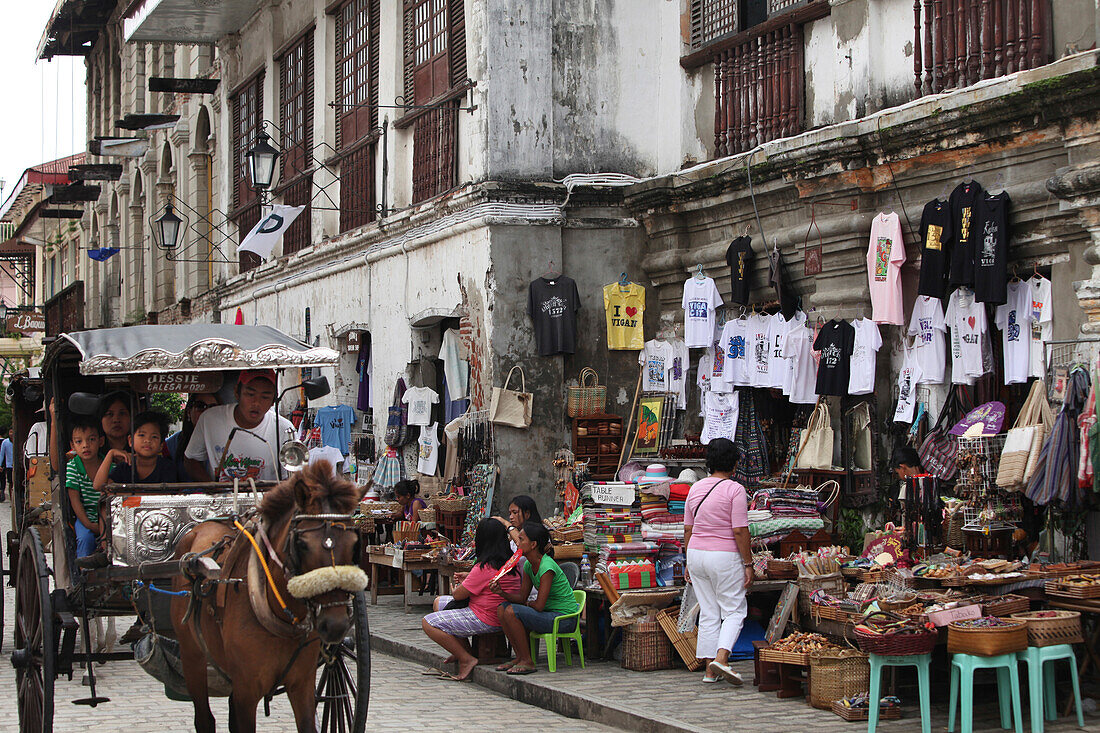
x=35 y=654
x=343 y=682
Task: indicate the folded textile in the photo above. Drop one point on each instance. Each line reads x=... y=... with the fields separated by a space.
x=676 y=507
x=678 y=492
x=784 y=525
x=759 y=515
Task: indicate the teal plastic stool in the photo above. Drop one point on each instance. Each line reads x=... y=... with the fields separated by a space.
x=1008 y=689
x=921 y=662
x=1040 y=682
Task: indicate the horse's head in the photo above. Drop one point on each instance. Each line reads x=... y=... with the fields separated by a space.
x=320 y=545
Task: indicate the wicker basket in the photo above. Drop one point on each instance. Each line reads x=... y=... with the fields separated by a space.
x=854 y=714
x=1064 y=628
x=836 y=674
x=898 y=645
x=567 y=534
x=782 y=570
x=833 y=584
x=896 y=604
x=374 y=508
x=684 y=644
x=777 y=656
x=405 y=535
x=427 y=515
x=570 y=551
x=646 y=647
x=451 y=504
x=990 y=642
x=852 y=573
x=1008 y=605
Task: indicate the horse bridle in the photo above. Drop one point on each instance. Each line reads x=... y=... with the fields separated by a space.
x=329 y=523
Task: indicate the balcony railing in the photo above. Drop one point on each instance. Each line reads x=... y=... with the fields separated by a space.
x=960 y=42
x=65 y=311
x=357 y=187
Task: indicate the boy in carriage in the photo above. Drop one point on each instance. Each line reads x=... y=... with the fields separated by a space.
x=147 y=464
x=86 y=439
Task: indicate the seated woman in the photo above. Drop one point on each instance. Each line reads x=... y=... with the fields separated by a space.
x=406 y=494
x=554 y=598
x=521 y=510
x=451 y=627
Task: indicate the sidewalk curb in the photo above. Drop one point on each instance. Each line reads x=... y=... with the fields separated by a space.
x=540 y=692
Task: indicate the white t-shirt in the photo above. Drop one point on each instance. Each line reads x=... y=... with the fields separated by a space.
x=929 y=347
x=248 y=456
x=966 y=318
x=719 y=382
x=779 y=369
x=720 y=411
x=798 y=349
x=734 y=334
x=759 y=350
x=455 y=368
x=420 y=401
x=864 y=356
x=326 y=453
x=677 y=372
x=908 y=379
x=429 y=449
x=700 y=300
x=656 y=360
x=1014 y=320
x=1042 y=324
x=885 y=256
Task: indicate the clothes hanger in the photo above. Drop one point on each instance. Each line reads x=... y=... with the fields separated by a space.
x=1015 y=276
x=551 y=273
x=699 y=274
x=623 y=280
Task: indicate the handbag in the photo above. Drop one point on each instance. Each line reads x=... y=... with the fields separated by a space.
x=509 y=407
x=397 y=420
x=815 y=448
x=939 y=451
x=586 y=399
x=1024 y=439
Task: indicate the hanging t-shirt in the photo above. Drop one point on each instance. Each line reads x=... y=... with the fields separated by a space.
x=798 y=349
x=759 y=349
x=935 y=248
x=1042 y=324
x=625 y=309
x=777 y=278
x=335 y=422
x=734 y=335
x=963 y=200
x=966 y=319
x=739 y=258
x=420 y=401
x=885 y=256
x=1014 y=320
x=928 y=330
x=677 y=372
x=991 y=260
x=720 y=412
x=719 y=382
x=428 y=456
x=456 y=370
x=908 y=379
x=656 y=359
x=552 y=306
x=865 y=345
x=700 y=300
x=779 y=367
x=834 y=342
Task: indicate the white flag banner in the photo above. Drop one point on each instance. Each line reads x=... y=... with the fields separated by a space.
x=270 y=229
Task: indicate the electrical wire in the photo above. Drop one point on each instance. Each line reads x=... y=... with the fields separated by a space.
x=893 y=181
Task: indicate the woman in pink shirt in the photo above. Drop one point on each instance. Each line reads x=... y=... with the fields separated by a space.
x=719 y=558
x=451 y=626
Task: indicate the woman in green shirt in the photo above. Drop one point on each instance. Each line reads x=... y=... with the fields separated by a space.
x=518 y=615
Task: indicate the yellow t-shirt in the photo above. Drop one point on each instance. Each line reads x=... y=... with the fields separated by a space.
x=625 y=307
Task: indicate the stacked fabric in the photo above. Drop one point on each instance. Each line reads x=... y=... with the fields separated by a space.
x=779 y=527
x=652 y=505
x=630 y=564
x=607 y=524
x=759 y=515
x=786 y=502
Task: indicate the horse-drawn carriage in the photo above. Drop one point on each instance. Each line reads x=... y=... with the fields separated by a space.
x=244 y=588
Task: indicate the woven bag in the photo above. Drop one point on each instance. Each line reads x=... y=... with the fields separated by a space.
x=816 y=442
x=939 y=451
x=836 y=674
x=586 y=398
x=1025 y=439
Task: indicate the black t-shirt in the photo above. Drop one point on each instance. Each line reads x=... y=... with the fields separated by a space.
x=164 y=473
x=835 y=341
x=936 y=236
x=777 y=278
x=963 y=200
x=739 y=258
x=991 y=240
x=552 y=305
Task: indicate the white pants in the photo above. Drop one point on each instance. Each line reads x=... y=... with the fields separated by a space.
x=719 y=580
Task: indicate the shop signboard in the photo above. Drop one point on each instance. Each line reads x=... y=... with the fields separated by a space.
x=26 y=322
x=613 y=494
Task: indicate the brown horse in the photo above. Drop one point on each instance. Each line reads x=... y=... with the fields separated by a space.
x=257 y=632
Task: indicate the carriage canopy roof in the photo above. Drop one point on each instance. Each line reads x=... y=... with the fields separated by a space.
x=189 y=347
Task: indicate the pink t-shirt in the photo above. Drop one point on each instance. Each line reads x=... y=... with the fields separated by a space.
x=885 y=255
x=712 y=521
x=483 y=602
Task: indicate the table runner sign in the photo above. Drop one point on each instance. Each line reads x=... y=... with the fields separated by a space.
x=613 y=494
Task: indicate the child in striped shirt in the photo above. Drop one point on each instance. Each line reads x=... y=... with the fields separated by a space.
x=86 y=440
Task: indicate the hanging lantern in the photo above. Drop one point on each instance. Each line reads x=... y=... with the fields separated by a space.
x=168 y=227
x=261 y=163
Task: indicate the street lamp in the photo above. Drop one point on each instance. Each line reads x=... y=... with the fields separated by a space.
x=3 y=314
x=168 y=226
x=261 y=162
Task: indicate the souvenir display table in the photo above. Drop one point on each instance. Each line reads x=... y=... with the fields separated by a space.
x=406 y=568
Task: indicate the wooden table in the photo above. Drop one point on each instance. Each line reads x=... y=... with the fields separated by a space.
x=397 y=562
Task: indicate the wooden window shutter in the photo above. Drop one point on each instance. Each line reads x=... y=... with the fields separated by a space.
x=409 y=40
x=375 y=37
x=458 y=42
x=238 y=153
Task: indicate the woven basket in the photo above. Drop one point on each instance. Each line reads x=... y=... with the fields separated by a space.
x=1065 y=628
x=898 y=645
x=836 y=674
x=782 y=570
x=454 y=504
x=953 y=530
x=896 y=604
x=987 y=642
x=1008 y=605
x=684 y=644
x=853 y=573
x=778 y=656
x=405 y=535
x=589 y=397
x=646 y=648
x=378 y=507
x=571 y=551
x=853 y=714
x=427 y=515
x=568 y=534
x=833 y=584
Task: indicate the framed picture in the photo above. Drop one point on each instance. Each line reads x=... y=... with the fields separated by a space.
x=650 y=410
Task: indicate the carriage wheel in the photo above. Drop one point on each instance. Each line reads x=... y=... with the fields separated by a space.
x=2 y=593
x=35 y=652
x=343 y=692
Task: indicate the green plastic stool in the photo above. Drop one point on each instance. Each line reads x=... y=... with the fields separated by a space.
x=565 y=636
x=921 y=662
x=1008 y=689
x=1040 y=682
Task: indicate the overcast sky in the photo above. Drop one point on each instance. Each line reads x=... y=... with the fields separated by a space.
x=43 y=101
